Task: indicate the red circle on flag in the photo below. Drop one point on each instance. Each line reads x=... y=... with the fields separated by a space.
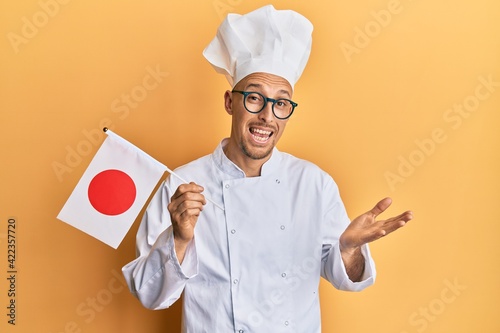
x=112 y=192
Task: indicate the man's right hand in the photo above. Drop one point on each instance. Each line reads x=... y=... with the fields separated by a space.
x=185 y=206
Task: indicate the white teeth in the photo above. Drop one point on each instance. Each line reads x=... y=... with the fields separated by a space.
x=260 y=138
x=259 y=131
x=260 y=135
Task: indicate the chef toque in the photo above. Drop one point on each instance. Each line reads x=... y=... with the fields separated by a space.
x=266 y=40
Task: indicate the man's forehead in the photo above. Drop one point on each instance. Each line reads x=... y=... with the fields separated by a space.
x=267 y=81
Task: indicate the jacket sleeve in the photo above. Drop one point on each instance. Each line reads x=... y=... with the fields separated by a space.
x=155 y=277
x=333 y=269
x=332 y=265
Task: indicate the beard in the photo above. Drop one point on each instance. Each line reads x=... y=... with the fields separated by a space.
x=255 y=154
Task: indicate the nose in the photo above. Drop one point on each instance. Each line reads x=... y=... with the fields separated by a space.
x=266 y=115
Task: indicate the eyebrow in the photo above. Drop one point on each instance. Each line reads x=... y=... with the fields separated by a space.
x=257 y=85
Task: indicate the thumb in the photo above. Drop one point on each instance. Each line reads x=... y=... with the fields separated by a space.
x=381 y=206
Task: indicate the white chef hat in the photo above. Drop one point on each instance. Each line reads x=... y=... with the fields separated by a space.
x=265 y=40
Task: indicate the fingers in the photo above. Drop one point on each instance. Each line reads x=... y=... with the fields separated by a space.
x=366 y=228
x=187 y=188
x=185 y=206
x=396 y=222
x=406 y=216
x=187 y=200
x=384 y=227
x=381 y=206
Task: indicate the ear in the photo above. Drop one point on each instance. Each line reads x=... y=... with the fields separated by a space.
x=228 y=102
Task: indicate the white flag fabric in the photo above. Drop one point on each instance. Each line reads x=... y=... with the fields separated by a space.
x=112 y=191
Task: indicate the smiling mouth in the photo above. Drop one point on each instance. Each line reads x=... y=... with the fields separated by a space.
x=260 y=135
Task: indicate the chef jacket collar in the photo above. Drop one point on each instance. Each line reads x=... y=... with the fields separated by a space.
x=229 y=168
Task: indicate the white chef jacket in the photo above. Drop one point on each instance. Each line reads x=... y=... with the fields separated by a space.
x=254 y=266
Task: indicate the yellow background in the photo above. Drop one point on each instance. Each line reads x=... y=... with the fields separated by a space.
x=377 y=110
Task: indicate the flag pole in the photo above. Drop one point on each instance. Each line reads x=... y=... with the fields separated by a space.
x=105 y=129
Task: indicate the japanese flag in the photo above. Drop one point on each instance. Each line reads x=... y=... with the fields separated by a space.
x=112 y=191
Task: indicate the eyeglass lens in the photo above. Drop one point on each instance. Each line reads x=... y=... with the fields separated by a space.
x=255 y=102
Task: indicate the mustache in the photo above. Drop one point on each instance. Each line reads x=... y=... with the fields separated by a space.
x=264 y=125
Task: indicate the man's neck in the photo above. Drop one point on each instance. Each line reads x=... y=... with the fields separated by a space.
x=251 y=167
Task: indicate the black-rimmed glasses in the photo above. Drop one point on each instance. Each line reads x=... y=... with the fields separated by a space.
x=255 y=102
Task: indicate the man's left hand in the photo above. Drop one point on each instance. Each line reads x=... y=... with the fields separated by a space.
x=365 y=228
